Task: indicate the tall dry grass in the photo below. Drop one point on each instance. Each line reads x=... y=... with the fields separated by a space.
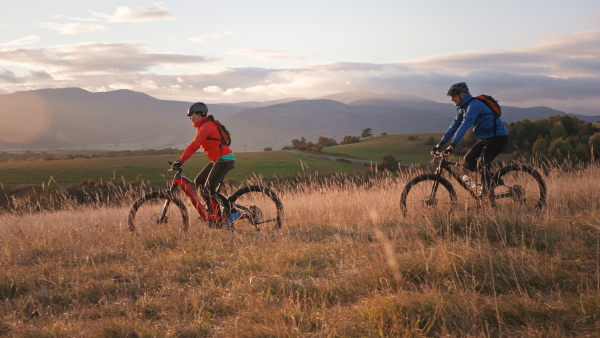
x=346 y=263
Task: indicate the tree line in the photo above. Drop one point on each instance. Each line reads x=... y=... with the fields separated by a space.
x=304 y=145
x=18 y=156
x=554 y=137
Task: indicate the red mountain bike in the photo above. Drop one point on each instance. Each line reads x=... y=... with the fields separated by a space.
x=259 y=205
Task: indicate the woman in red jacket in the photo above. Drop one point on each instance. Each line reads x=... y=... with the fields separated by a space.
x=221 y=157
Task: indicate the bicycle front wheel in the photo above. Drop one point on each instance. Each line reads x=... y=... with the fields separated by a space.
x=158 y=210
x=260 y=207
x=427 y=193
x=518 y=187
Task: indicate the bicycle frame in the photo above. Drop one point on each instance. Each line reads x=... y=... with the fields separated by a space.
x=188 y=188
x=518 y=188
x=445 y=164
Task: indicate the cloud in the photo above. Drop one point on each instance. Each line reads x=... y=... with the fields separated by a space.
x=8 y=76
x=12 y=78
x=203 y=38
x=27 y=40
x=265 y=55
x=572 y=55
x=95 y=58
x=128 y=14
x=562 y=72
x=212 y=89
x=71 y=28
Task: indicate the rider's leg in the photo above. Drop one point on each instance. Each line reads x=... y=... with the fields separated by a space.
x=471 y=156
x=215 y=178
x=217 y=174
x=202 y=177
x=493 y=147
x=214 y=181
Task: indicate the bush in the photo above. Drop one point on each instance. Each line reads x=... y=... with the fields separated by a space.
x=326 y=142
x=350 y=139
x=389 y=162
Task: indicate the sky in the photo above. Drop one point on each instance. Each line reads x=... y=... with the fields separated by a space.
x=523 y=52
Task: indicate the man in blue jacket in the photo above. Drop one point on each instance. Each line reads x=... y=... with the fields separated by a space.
x=489 y=130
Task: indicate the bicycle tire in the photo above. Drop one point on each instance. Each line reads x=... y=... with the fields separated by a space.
x=259 y=205
x=146 y=212
x=419 y=191
x=518 y=185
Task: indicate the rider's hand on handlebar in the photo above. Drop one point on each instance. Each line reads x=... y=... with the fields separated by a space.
x=436 y=149
x=449 y=150
x=176 y=165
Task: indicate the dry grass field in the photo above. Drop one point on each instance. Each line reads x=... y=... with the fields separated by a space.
x=345 y=263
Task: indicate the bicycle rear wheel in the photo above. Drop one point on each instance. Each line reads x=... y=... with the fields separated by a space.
x=260 y=207
x=157 y=210
x=518 y=187
x=427 y=194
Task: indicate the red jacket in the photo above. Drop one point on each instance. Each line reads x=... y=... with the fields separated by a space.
x=212 y=148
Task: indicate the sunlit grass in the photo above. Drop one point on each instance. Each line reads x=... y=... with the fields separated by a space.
x=345 y=263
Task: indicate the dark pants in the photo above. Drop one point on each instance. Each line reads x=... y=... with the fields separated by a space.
x=483 y=152
x=211 y=177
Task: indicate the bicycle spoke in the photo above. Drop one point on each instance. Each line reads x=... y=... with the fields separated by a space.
x=156 y=211
x=425 y=195
x=520 y=188
x=260 y=207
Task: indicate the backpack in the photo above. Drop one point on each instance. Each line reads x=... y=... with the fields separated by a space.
x=225 y=134
x=491 y=102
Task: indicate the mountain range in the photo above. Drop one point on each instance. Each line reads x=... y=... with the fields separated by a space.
x=73 y=118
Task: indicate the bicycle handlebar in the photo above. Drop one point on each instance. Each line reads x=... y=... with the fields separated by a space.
x=443 y=156
x=178 y=170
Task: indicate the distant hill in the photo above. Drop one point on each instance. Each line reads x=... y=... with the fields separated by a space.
x=73 y=118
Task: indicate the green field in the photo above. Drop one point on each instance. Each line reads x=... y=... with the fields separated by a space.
x=267 y=164
x=407 y=148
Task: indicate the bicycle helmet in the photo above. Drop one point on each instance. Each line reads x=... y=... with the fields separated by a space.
x=458 y=88
x=198 y=108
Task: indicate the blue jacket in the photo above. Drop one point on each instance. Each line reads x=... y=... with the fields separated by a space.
x=473 y=113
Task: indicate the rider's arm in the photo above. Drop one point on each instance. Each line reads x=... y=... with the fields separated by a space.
x=452 y=129
x=468 y=121
x=201 y=135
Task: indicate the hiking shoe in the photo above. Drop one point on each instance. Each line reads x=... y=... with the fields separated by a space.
x=233 y=216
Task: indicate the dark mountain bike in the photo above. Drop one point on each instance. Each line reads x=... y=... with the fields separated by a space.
x=259 y=205
x=515 y=186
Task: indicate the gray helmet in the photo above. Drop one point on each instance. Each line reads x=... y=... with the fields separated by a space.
x=458 y=88
x=198 y=108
